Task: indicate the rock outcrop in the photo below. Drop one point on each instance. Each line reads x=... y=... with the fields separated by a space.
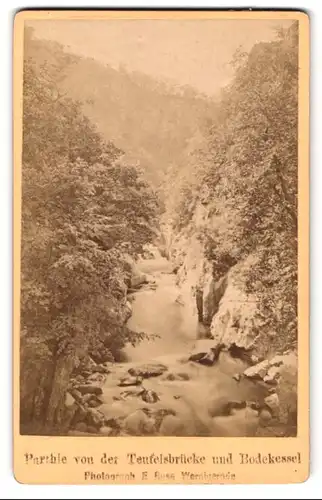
x=219 y=302
x=271 y=370
x=235 y=321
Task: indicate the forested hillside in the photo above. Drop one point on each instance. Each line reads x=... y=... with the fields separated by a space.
x=86 y=214
x=237 y=206
x=233 y=230
x=152 y=121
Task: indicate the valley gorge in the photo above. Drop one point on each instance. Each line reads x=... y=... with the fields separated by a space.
x=159 y=249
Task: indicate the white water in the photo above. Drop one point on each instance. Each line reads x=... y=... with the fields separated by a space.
x=193 y=393
x=158 y=313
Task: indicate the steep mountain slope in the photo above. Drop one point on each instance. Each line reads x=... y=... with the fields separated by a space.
x=152 y=121
x=235 y=223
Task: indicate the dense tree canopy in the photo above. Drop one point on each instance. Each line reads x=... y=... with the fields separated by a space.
x=83 y=209
x=246 y=176
x=85 y=214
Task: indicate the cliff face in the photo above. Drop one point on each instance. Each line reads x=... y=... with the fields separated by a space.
x=235 y=321
x=221 y=305
x=234 y=216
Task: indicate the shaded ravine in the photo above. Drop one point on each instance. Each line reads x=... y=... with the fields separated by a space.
x=187 y=395
x=156 y=311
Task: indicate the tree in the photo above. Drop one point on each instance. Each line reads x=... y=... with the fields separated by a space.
x=249 y=169
x=85 y=213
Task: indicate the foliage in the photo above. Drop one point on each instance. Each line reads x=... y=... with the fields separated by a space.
x=246 y=177
x=151 y=120
x=85 y=213
x=287 y=393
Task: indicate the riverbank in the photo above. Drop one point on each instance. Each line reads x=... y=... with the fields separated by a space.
x=173 y=383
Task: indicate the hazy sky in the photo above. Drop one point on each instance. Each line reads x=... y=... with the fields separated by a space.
x=188 y=52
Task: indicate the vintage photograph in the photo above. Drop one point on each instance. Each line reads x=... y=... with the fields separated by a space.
x=159 y=228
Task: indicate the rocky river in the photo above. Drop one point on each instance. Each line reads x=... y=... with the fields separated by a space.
x=175 y=382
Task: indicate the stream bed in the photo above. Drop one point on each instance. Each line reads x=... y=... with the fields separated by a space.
x=159 y=391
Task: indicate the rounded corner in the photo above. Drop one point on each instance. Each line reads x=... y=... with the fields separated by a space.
x=19 y=17
x=306 y=473
x=16 y=477
x=304 y=16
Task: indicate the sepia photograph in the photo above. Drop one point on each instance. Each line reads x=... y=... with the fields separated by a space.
x=159 y=228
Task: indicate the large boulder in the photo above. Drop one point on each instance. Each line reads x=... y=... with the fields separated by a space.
x=206 y=352
x=129 y=381
x=97 y=377
x=133 y=392
x=272 y=375
x=271 y=370
x=148 y=370
x=207 y=359
x=89 y=389
x=257 y=371
x=150 y=396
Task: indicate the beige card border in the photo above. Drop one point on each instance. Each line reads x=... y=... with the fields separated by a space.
x=120 y=446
